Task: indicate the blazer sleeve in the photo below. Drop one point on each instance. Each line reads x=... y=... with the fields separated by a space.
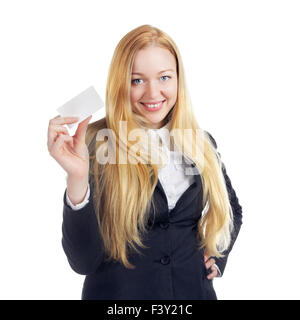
x=237 y=214
x=81 y=240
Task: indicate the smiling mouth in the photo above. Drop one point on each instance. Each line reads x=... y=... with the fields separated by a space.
x=153 y=107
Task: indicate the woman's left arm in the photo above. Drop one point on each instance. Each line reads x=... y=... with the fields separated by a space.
x=237 y=215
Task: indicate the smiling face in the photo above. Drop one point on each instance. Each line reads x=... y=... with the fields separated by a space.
x=153 y=90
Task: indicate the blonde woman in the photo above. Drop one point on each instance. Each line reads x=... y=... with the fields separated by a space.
x=149 y=211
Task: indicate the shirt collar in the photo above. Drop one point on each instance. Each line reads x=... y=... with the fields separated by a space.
x=163 y=132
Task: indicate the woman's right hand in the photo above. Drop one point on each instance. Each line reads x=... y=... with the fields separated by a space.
x=70 y=152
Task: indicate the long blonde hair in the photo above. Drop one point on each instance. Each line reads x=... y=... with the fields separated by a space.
x=123 y=192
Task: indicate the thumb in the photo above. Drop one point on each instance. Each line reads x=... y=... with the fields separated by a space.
x=81 y=130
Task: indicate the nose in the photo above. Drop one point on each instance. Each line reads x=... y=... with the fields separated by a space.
x=153 y=91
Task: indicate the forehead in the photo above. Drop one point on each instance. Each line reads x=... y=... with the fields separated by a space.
x=152 y=60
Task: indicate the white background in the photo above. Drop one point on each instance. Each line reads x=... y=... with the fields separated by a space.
x=243 y=73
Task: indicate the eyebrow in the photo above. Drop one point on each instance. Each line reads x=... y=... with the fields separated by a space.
x=158 y=72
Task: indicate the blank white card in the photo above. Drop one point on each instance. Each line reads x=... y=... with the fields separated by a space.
x=82 y=106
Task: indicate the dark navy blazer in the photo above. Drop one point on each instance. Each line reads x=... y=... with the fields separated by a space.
x=170 y=268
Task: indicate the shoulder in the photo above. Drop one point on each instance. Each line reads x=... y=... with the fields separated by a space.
x=213 y=141
x=92 y=130
x=97 y=125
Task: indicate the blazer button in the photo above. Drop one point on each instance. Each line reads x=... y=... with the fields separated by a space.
x=165 y=260
x=164 y=225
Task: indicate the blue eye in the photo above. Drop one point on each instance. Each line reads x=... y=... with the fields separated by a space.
x=133 y=81
x=166 y=76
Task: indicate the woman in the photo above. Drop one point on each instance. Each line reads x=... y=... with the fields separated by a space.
x=137 y=222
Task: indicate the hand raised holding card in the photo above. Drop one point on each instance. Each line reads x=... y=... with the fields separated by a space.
x=70 y=152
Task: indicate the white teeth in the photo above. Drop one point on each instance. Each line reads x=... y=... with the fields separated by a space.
x=152 y=105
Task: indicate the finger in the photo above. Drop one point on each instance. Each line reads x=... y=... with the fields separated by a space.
x=55 y=118
x=62 y=120
x=206 y=257
x=213 y=273
x=53 y=132
x=81 y=130
x=58 y=144
x=210 y=263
